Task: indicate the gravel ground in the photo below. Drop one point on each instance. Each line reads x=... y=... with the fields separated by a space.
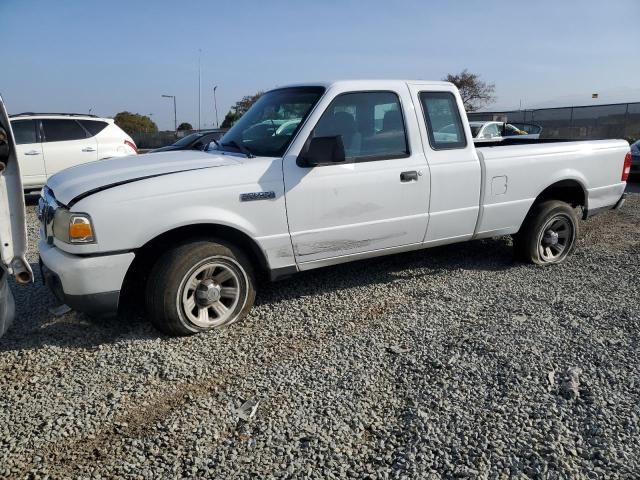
x=453 y=362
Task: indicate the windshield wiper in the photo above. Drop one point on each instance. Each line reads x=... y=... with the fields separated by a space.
x=239 y=146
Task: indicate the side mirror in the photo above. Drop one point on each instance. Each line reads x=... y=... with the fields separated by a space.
x=322 y=151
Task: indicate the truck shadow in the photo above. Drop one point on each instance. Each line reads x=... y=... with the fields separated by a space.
x=36 y=327
x=479 y=255
x=31 y=199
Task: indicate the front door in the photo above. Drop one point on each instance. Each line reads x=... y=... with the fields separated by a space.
x=377 y=199
x=29 y=152
x=66 y=144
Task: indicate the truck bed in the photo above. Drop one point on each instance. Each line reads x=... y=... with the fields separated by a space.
x=515 y=173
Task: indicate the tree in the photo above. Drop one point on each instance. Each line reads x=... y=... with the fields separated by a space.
x=229 y=119
x=239 y=109
x=475 y=92
x=133 y=123
x=185 y=126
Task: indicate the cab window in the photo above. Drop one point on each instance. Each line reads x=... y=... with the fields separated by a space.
x=371 y=125
x=442 y=118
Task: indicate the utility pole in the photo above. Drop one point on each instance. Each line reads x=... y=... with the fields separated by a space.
x=175 y=117
x=215 y=105
x=199 y=89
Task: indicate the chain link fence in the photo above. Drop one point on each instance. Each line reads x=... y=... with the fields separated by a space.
x=620 y=120
x=156 y=139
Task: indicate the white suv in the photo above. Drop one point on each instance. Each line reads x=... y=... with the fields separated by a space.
x=50 y=142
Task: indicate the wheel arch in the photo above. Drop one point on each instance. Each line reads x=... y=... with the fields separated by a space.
x=147 y=254
x=569 y=190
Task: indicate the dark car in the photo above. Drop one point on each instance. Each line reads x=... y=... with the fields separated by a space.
x=635 y=157
x=194 y=141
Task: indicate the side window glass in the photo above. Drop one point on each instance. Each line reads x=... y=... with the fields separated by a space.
x=370 y=123
x=24 y=131
x=94 y=127
x=442 y=117
x=490 y=131
x=62 y=130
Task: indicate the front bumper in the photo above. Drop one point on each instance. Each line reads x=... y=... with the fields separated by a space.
x=89 y=284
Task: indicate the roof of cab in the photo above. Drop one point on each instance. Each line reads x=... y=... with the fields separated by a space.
x=357 y=83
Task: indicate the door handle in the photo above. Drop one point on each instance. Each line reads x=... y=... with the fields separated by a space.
x=88 y=149
x=32 y=152
x=411 y=176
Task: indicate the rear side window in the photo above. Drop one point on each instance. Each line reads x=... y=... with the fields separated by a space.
x=94 y=127
x=24 y=131
x=443 y=120
x=62 y=130
x=491 y=131
x=370 y=123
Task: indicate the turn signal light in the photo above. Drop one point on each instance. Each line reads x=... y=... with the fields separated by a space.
x=80 y=230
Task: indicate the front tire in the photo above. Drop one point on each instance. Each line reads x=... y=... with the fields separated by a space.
x=199 y=286
x=548 y=234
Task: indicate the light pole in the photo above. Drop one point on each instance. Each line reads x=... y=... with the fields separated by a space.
x=199 y=89
x=175 y=118
x=215 y=105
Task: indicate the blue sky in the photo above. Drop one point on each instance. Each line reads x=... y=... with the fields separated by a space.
x=122 y=55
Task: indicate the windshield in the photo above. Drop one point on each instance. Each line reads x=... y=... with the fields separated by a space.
x=271 y=123
x=183 y=142
x=475 y=129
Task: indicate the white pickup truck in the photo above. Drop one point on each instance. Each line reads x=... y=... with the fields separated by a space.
x=359 y=172
x=13 y=229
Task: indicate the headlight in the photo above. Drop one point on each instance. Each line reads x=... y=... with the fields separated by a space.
x=71 y=227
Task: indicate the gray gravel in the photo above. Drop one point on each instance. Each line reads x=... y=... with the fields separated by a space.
x=452 y=362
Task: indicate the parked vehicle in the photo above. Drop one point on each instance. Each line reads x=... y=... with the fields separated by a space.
x=13 y=230
x=494 y=131
x=50 y=142
x=531 y=129
x=362 y=175
x=635 y=157
x=194 y=141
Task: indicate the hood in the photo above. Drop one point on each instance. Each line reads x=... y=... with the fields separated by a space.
x=75 y=183
x=13 y=229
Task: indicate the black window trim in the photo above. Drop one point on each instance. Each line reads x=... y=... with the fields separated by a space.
x=370 y=158
x=427 y=120
x=44 y=137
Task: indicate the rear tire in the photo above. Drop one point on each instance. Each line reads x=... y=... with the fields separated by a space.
x=199 y=286
x=548 y=234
